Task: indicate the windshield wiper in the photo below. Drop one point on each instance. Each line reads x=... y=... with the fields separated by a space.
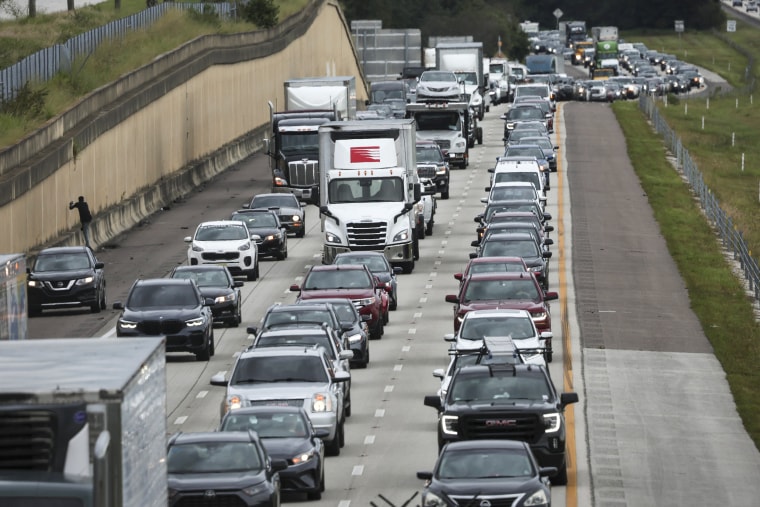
x=253 y=381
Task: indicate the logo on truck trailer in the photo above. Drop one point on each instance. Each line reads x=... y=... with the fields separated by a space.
x=356 y=154
x=361 y=154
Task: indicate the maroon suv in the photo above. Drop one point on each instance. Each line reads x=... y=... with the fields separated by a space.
x=353 y=281
x=520 y=291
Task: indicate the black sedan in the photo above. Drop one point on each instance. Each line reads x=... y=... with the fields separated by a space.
x=287 y=434
x=222 y=468
x=65 y=277
x=288 y=208
x=218 y=283
x=487 y=472
x=358 y=334
x=270 y=236
x=172 y=308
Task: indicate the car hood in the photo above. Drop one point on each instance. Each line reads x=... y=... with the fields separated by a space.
x=485 y=486
x=168 y=312
x=212 y=292
x=278 y=390
x=220 y=246
x=286 y=448
x=216 y=481
x=515 y=304
x=287 y=210
x=337 y=293
x=62 y=275
x=435 y=135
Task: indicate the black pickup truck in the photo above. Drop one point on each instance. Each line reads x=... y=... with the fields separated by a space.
x=506 y=401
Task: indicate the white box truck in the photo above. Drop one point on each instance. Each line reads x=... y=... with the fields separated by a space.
x=368 y=190
x=84 y=423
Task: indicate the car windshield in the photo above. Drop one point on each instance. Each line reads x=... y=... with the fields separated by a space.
x=298 y=142
x=516 y=327
x=438 y=121
x=510 y=248
x=286 y=368
x=375 y=263
x=274 y=201
x=504 y=387
x=496 y=267
x=213 y=457
x=493 y=290
x=352 y=190
x=438 y=76
x=256 y=220
x=337 y=279
x=513 y=193
x=520 y=150
x=275 y=425
x=542 y=142
x=429 y=154
x=484 y=464
x=345 y=310
x=204 y=277
x=296 y=340
x=380 y=95
x=162 y=296
x=293 y=317
x=509 y=207
x=221 y=233
x=470 y=78
x=525 y=113
x=62 y=262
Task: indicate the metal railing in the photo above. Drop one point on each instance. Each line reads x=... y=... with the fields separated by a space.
x=46 y=63
x=731 y=237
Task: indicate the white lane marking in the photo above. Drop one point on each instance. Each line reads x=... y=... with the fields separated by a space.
x=380 y=412
x=357 y=470
x=180 y=420
x=344 y=503
x=423 y=300
x=434 y=274
x=110 y=333
x=388 y=389
x=369 y=440
x=201 y=394
x=438 y=263
x=412 y=330
x=317 y=255
x=406 y=348
x=418 y=315
x=607 y=311
x=398 y=367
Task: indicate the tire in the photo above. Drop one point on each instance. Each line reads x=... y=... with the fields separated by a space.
x=348 y=407
x=479 y=135
x=342 y=433
x=561 y=478
x=416 y=249
x=34 y=311
x=429 y=228
x=205 y=354
x=393 y=304
x=302 y=232
x=377 y=332
x=212 y=343
x=445 y=193
x=332 y=448
x=282 y=254
x=549 y=355
x=103 y=303
x=236 y=319
x=252 y=274
x=421 y=230
x=386 y=317
x=408 y=267
x=314 y=495
x=95 y=307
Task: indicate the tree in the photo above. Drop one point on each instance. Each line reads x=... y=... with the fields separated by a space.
x=263 y=13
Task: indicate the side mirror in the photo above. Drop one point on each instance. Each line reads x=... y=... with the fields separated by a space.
x=188 y=239
x=219 y=380
x=118 y=305
x=548 y=241
x=458 y=276
x=452 y=298
x=99 y=265
x=252 y=330
x=295 y=288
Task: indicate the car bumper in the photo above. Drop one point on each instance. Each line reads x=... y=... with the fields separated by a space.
x=223 y=312
x=72 y=298
x=394 y=253
x=190 y=341
x=301 y=477
x=245 y=262
x=270 y=248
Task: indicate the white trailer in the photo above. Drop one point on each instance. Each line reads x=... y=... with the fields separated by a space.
x=322 y=93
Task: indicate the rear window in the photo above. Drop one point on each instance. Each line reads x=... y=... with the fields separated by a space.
x=338 y=279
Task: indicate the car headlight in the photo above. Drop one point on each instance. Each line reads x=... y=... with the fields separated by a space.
x=364 y=301
x=538 y=315
x=537 y=498
x=321 y=402
x=449 y=424
x=402 y=236
x=235 y=402
x=244 y=247
x=196 y=248
x=273 y=237
x=280 y=182
x=127 y=324
x=85 y=281
x=224 y=299
x=332 y=238
x=536 y=268
x=552 y=422
x=302 y=457
x=255 y=489
x=460 y=143
x=34 y=283
x=433 y=500
x=441 y=169
x=296 y=218
x=198 y=321
x=355 y=338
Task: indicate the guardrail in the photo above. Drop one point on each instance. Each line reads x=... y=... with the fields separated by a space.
x=46 y=63
x=732 y=239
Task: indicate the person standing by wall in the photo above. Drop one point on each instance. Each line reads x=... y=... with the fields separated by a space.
x=85 y=217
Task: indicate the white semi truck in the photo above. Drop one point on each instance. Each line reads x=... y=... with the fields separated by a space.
x=450 y=125
x=292 y=144
x=368 y=189
x=84 y=423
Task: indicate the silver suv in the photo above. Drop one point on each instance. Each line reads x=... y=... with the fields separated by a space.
x=290 y=376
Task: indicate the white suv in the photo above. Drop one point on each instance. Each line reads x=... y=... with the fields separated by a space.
x=224 y=243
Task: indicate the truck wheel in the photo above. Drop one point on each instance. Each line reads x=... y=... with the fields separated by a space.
x=429 y=228
x=416 y=249
x=445 y=193
x=421 y=230
x=561 y=478
x=408 y=267
x=480 y=135
x=332 y=448
x=377 y=332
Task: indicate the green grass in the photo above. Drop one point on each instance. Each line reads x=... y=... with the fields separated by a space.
x=716 y=295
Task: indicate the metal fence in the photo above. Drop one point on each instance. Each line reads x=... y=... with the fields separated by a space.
x=46 y=63
x=733 y=240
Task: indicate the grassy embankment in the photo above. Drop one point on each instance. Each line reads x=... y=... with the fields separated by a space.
x=718 y=298
x=20 y=38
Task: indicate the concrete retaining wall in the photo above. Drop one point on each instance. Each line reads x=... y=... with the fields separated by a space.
x=137 y=144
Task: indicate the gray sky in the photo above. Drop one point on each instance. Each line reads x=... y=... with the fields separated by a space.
x=43 y=6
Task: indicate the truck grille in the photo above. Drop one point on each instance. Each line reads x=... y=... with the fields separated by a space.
x=304 y=173
x=161 y=327
x=493 y=501
x=220 y=256
x=502 y=425
x=201 y=499
x=366 y=235
x=277 y=403
x=426 y=171
x=444 y=144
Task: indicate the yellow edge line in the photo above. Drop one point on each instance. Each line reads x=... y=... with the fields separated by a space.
x=567 y=366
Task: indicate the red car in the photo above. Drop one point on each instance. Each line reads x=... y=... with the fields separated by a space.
x=353 y=281
x=520 y=291
x=492 y=265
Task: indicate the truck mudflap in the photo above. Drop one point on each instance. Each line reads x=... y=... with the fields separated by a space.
x=396 y=254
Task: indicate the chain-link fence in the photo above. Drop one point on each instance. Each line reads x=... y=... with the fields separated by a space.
x=46 y=63
x=731 y=237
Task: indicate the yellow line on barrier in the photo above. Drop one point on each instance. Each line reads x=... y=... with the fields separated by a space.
x=567 y=358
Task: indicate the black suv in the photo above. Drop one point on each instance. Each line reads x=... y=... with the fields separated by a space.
x=506 y=401
x=270 y=235
x=288 y=208
x=224 y=468
x=432 y=164
x=170 y=307
x=64 y=277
